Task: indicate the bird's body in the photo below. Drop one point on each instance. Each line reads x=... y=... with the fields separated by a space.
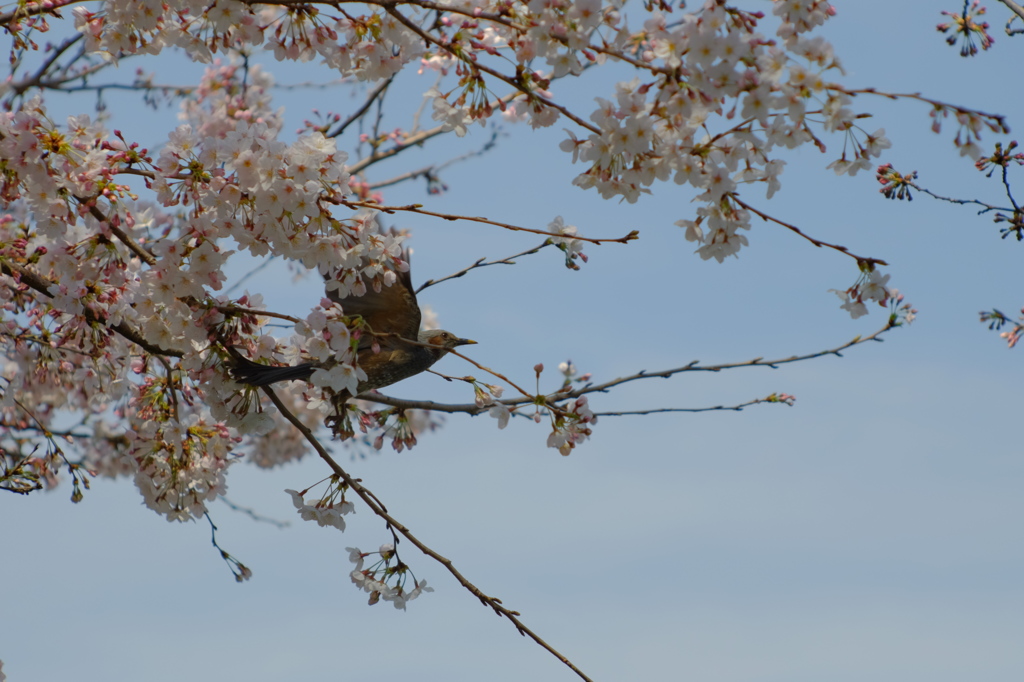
x=395 y=349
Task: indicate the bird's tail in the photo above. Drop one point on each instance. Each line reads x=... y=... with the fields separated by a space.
x=254 y=374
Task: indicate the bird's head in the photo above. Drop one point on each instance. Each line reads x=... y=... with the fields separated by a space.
x=442 y=340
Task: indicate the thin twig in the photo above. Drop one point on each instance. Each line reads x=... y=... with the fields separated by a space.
x=717 y=408
x=95 y=212
x=997 y=121
x=256 y=270
x=491 y=371
x=1014 y=7
x=695 y=366
x=370 y=99
x=817 y=242
x=962 y=202
x=432 y=170
x=482 y=263
x=410 y=141
x=32 y=9
x=251 y=513
x=418 y=209
x=36 y=79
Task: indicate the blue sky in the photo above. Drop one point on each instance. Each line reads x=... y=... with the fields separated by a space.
x=870 y=531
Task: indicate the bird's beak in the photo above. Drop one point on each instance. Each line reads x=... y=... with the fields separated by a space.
x=465 y=342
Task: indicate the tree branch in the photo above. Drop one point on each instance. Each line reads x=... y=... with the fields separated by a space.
x=996 y=122
x=418 y=209
x=370 y=99
x=1014 y=7
x=716 y=408
x=377 y=508
x=482 y=263
x=817 y=242
x=36 y=79
x=695 y=366
x=411 y=141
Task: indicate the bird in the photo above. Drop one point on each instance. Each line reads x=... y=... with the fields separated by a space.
x=396 y=349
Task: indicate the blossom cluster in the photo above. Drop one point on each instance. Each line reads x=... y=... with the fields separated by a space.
x=570 y=425
x=179 y=467
x=329 y=510
x=997 y=320
x=963 y=28
x=570 y=415
x=870 y=286
x=387 y=578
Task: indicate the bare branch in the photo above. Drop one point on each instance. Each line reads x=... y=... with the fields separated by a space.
x=252 y=514
x=717 y=408
x=1015 y=8
x=695 y=366
x=370 y=99
x=996 y=122
x=410 y=141
x=431 y=172
x=756 y=362
x=256 y=270
x=418 y=209
x=482 y=263
x=32 y=9
x=817 y=242
x=36 y=78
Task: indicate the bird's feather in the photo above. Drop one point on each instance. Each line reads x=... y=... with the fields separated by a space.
x=392 y=310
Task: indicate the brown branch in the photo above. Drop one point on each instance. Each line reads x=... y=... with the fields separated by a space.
x=482 y=263
x=996 y=120
x=426 y=172
x=471 y=14
x=432 y=171
x=717 y=408
x=32 y=9
x=409 y=142
x=377 y=508
x=756 y=362
x=58 y=86
x=817 y=242
x=414 y=139
x=239 y=310
x=473 y=409
x=418 y=209
x=492 y=372
x=1014 y=7
x=36 y=79
x=953 y=200
x=370 y=99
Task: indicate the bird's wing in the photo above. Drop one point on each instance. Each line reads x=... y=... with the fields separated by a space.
x=392 y=310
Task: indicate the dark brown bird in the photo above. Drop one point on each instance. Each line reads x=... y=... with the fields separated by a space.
x=394 y=316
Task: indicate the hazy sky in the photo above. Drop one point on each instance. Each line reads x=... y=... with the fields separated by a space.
x=872 y=531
